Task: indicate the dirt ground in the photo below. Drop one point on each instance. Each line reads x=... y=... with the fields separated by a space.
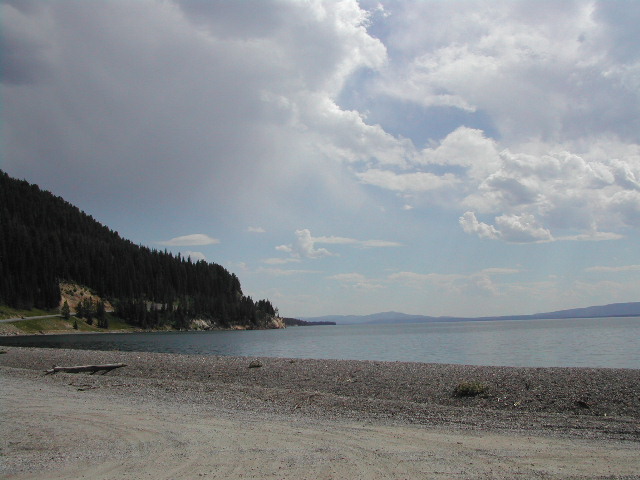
x=68 y=426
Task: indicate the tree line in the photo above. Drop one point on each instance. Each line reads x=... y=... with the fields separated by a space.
x=45 y=239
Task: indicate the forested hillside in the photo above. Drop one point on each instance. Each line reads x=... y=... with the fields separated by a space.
x=45 y=240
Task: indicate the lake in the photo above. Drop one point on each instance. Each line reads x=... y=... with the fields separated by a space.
x=601 y=342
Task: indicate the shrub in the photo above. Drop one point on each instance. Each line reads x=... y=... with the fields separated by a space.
x=469 y=389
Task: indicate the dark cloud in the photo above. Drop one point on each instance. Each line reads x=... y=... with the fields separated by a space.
x=620 y=19
x=23 y=50
x=245 y=19
x=21 y=61
x=159 y=103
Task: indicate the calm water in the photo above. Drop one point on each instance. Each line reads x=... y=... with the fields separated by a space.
x=603 y=342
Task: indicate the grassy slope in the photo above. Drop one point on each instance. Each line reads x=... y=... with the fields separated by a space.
x=71 y=293
x=8 y=312
x=55 y=324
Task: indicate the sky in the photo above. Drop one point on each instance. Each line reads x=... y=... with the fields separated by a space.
x=461 y=158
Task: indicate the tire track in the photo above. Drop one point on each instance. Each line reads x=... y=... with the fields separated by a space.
x=49 y=430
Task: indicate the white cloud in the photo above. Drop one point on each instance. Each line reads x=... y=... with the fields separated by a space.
x=470 y=224
x=543 y=193
x=406 y=182
x=305 y=244
x=537 y=70
x=500 y=271
x=605 y=269
x=356 y=280
x=155 y=102
x=353 y=241
x=465 y=147
x=334 y=240
x=519 y=118
x=606 y=291
x=593 y=237
x=280 y=261
x=190 y=240
x=477 y=283
x=564 y=106
x=522 y=229
x=281 y=272
x=566 y=155
x=379 y=243
x=417 y=280
x=195 y=256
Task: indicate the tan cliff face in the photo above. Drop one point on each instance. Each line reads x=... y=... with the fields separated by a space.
x=206 y=324
x=278 y=322
x=73 y=294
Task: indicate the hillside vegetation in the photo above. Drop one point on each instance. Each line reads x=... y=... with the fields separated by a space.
x=47 y=241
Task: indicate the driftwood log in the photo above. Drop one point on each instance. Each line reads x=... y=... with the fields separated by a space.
x=86 y=368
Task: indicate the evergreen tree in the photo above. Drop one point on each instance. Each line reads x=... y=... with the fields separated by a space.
x=101 y=315
x=80 y=311
x=89 y=310
x=65 y=311
x=46 y=240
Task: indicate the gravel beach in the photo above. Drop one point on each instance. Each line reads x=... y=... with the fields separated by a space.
x=351 y=409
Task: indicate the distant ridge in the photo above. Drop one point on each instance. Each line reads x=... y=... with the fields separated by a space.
x=631 y=309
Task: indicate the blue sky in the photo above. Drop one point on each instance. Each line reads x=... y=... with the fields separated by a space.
x=343 y=157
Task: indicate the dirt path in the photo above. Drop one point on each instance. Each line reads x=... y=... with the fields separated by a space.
x=53 y=431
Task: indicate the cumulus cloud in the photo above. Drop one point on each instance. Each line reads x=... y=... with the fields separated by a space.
x=470 y=224
x=564 y=160
x=522 y=229
x=190 y=240
x=542 y=193
x=406 y=182
x=530 y=66
x=167 y=94
x=305 y=244
x=153 y=102
x=520 y=119
x=194 y=256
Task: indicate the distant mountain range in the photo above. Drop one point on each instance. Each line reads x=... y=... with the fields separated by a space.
x=631 y=309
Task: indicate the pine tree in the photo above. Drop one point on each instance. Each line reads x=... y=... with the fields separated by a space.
x=101 y=315
x=65 y=311
x=89 y=311
x=45 y=240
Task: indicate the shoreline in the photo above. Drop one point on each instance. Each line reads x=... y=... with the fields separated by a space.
x=408 y=391
x=7 y=329
x=572 y=407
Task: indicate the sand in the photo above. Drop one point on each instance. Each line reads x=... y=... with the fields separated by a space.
x=176 y=416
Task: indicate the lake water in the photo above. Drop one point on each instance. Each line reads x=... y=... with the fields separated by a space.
x=602 y=342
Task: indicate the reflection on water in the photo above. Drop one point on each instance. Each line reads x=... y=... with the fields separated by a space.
x=603 y=342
